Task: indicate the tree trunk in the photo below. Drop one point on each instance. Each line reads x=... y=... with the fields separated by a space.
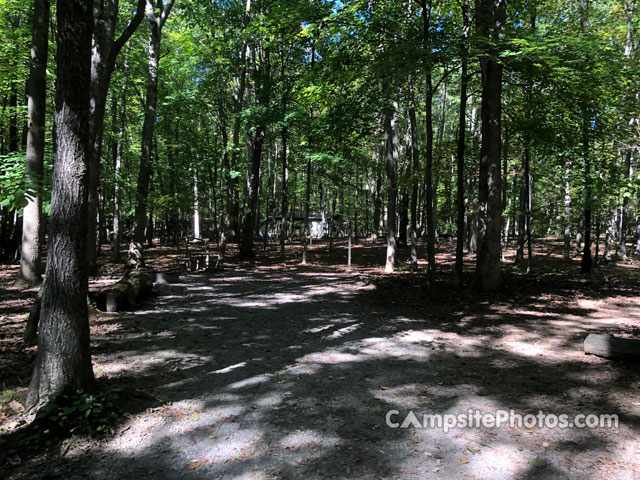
x=460 y=147
x=196 y=206
x=391 y=160
x=413 y=127
x=307 y=211
x=626 y=194
x=285 y=193
x=30 y=260
x=262 y=96
x=377 y=201
x=429 y=197
x=156 y=22
x=117 y=164
x=232 y=206
x=490 y=20
x=63 y=363
x=587 y=261
x=567 y=209
x=103 y=60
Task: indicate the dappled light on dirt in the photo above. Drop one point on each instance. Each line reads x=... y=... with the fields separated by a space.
x=262 y=373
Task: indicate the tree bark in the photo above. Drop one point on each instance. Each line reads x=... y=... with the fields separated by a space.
x=587 y=260
x=413 y=127
x=63 y=363
x=156 y=23
x=262 y=97
x=30 y=260
x=490 y=21
x=624 y=220
x=103 y=60
x=232 y=206
x=117 y=163
x=567 y=209
x=285 y=193
x=429 y=196
x=196 y=205
x=391 y=161
x=461 y=143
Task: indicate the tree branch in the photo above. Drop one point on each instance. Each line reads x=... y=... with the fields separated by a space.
x=165 y=12
x=131 y=28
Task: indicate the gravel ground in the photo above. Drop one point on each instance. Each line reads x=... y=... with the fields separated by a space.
x=271 y=373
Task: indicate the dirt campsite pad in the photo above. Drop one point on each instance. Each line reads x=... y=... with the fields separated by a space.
x=265 y=371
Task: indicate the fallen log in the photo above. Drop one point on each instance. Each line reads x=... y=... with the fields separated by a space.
x=613 y=347
x=123 y=294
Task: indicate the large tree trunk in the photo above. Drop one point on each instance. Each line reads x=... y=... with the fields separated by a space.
x=30 y=260
x=156 y=22
x=460 y=148
x=490 y=20
x=391 y=160
x=63 y=362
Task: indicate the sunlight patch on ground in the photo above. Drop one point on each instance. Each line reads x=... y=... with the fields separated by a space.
x=251 y=381
x=230 y=368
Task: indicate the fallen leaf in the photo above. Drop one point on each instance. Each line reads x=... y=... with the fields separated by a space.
x=196 y=463
x=16 y=406
x=465 y=461
x=382 y=387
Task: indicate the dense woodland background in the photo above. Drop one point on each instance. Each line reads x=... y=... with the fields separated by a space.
x=265 y=108
x=241 y=128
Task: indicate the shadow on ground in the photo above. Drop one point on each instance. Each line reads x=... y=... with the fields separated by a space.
x=274 y=372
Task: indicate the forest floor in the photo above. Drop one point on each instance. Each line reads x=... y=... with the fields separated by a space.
x=276 y=370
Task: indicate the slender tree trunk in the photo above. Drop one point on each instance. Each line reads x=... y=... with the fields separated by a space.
x=391 y=160
x=262 y=97
x=624 y=220
x=63 y=363
x=567 y=209
x=196 y=205
x=103 y=60
x=118 y=157
x=285 y=193
x=30 y=260
x=431 y=223
x=413 y=126
x=523 y=205
x=156 y=22
x=307 y=211
x=232 y=207
x=490 y=19
x=461 y=143
x=587 y=261
x=377 y=201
